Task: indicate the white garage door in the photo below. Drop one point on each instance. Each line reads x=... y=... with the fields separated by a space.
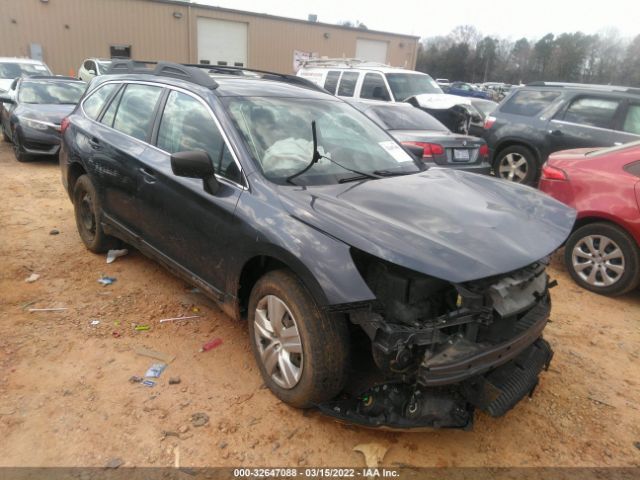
x=371 y=50
x=221 y=42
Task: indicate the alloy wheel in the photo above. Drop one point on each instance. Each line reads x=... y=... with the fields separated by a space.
x=279 y=342
x=513 y=167
x=598 y=260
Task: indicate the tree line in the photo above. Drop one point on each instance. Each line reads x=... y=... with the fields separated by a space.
x=467 y=55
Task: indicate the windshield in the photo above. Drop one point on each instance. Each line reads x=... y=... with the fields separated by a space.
x=405 y=85
x=51 y=92
x=103 y=66
x=18 y=69
x=278 y=133
x=398 y=118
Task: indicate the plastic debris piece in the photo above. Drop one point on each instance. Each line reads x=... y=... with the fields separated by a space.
x=32 y=278
x=178 y=318
x=95 y=322
x=106 y=280
x=155 y=370
x=142 y=328
x=47 y=309
x=195 y=309
x=164 y=357
x=174 y=380
x=373 y=453
x=115 y=334
x=54 y=231
x=28 y=304
x=211 y=345
x=148 y=383
x=136 y=379
x=113 y=254
x=116 y=323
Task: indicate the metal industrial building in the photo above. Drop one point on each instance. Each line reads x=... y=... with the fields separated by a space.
x=64 y=32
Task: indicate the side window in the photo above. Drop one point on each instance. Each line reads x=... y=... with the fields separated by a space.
x=597 y=112
x=632 y=120
x=92 y=106
x=373 y=87
x=110 y=112
x=348 y=84
x=135 y=111
x=187 y=125
x=529 y=102
x=331 y=82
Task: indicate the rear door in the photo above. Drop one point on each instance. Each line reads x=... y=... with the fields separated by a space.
x=179 y=218
x=116 y=145
x=588 y=120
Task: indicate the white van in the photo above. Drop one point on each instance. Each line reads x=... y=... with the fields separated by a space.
x=353 y=78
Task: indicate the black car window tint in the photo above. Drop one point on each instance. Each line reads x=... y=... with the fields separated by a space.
x=187 y=125
x=373 y=87
x=529 y=102
x=398 y=118
x=110 y=113
x=632 y=120
x=348 y=84
x=135 y=112
x=227 y=166
x=331 y=82
x=92 y=106
x=597 y=112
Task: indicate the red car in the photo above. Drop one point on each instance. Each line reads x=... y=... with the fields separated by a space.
x=603 y=185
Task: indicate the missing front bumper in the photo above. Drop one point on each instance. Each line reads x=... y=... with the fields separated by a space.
x=404 y=406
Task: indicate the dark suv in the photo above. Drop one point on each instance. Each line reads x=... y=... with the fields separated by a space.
x=383 y=293
x=546 y=117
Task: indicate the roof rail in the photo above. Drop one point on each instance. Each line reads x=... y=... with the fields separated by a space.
x=163 y=69
x=341 y=62
x=265 y=74
x=593 y=86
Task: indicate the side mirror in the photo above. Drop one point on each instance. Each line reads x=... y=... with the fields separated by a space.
x=4 y=98
x=195 y=164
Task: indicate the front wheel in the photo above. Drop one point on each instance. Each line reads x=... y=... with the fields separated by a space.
x=603 y=258
x=301 y=351
x=517 y=164
x=18 y=149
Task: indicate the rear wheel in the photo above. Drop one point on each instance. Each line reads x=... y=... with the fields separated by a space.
x=603 y=258
x=88 y=214
x=517 y=164
x=301 y=351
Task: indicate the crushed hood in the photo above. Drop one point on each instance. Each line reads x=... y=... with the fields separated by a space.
x=440 y=101
x=452 y=225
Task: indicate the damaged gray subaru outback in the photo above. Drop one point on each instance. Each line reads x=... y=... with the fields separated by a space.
x=378 y=291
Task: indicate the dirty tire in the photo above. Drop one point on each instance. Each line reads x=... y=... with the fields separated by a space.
x=5 y=137
x=526 y=174
x=88 y=215
x=18 y=150
x=324 y=339
x=627 y=248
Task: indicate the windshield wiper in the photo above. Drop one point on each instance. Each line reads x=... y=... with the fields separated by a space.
x=317 y=156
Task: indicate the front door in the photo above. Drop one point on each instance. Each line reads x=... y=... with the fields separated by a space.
x=179 y=218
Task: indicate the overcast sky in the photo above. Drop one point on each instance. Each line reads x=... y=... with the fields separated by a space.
x=509 y=18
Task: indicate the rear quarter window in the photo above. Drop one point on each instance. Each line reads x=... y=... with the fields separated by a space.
x=94 y=103
x=528 y=102
x=331 y=82
x=593 y=111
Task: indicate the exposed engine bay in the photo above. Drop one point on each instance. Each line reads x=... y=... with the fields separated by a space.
x=443 y=349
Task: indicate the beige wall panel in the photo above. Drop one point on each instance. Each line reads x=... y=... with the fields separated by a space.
x=72 y=30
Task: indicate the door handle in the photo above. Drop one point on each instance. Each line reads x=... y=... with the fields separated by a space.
x=147 y=175
x=556 y=133
x=95 y=143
